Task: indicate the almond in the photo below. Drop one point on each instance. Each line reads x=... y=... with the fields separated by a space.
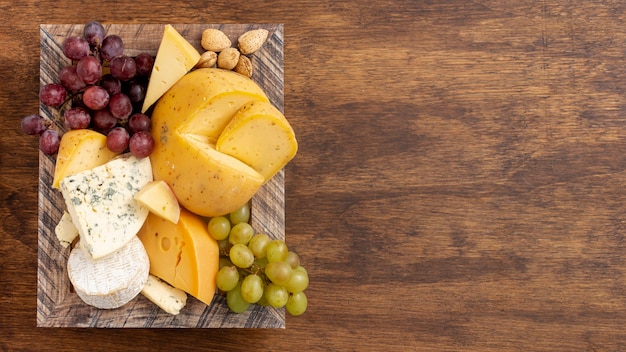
x=215 y=40
x=207 y=59
x=252 y=41
x=228 y=58
x=244 y=66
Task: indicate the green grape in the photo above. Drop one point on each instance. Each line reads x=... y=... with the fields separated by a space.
x=262 y=302
x=234 y=300
x=227 y=278
x=276 y=295
x=224 y=245
x=293 y=259
x=241 y=233
x=240 y=215
x=252 y=288
x=301 y=268
x=224 y=261
x=219 y=227
x=296 y=304
x=260 y=263
x=276 y=251
x=298 y=282
x=241 y=255
x=279 y=272
x=258 y=244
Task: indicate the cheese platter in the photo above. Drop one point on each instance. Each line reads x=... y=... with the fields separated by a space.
x=58 y=304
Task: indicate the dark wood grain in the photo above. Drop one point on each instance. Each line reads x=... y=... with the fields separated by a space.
x=459 y=183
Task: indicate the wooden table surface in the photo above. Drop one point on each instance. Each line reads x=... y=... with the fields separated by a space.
x=459 y=184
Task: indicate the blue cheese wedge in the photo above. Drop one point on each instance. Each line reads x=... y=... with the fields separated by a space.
x=65 y=230
x=101 y=203
x=167 y=297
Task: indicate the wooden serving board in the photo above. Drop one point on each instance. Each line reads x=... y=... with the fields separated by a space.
x=57 y=304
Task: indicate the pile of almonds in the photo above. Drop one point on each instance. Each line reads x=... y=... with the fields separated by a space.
x=220 y=52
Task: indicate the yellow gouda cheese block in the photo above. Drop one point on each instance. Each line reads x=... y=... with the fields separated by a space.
x=175 y=57
x=160 y=200
x=183 y=255
x=260 y=136
x=186 y=123
x=80 y=150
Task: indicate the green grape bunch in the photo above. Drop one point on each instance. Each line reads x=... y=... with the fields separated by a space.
x=255 y=269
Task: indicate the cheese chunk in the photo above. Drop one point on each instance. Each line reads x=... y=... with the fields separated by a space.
x=175 y=57
x=168 y=298
x=102 y=205
x=260 y=136
x=160 y=200
x=111 y=281
x=80 y=150
x=65 y=230
x=183 y=255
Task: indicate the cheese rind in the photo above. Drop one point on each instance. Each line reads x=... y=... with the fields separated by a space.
x=102 y=205
x=167 y=297
x=158 y=197
x=80 y=150
x=65 y=230
x=260 y=136
x=111 y=281
x=183 y=255
x=175 y=57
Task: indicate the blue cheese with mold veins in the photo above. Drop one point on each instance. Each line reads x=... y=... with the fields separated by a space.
x=101 y=203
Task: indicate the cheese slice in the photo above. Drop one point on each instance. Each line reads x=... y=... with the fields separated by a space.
x=158 y=197
x=175 y=57
x=260 y=136
x=65 y=230
x=183 y=255
x=101 y=203
x=111 y=281
x=80 y=150
x=168 y=298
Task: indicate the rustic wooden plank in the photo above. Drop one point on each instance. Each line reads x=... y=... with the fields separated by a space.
x=57 y=305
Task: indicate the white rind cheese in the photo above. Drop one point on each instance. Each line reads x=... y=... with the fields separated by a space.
x=111 y=281
x=101 y=203
x=65 y=230
x=167 y=297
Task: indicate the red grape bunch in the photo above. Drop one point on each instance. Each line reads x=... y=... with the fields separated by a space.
x=101 y=89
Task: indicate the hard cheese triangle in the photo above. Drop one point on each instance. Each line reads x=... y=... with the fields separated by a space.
x=102 y=206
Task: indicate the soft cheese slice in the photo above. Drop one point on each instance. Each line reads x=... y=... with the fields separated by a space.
x=102 y=205
x=65 y=230
x=175 y=57
x=260 y=136
x=184 y=254
x=80 y=150
x=158 y=197
x=111 y=281
x=167 y=297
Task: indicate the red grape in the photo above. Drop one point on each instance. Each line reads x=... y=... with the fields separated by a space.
x=141 y=144
x=75 y=48
x=144 y=63
x=95 y=97
x=123 y=67
x=49 y=141
x=136 y=91
x=139 y=122
x=120 y=106
x=117 y=139
x=89 y=69
x=111 y=84
x=33 y=124
x=70 y=79
x=52 y=94
x=77 y=118
x=103 y=120
x=93 y=33
x=112 y=46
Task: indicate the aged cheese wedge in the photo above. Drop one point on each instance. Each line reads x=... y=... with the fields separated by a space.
x=102 y=205
x=186 y=123
x=111 y=281
x=160 y=200
x=65 y=230
x=167 y=297
x=80 y=150
x=183 y=255
x=260 y=136
x=175 y=57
